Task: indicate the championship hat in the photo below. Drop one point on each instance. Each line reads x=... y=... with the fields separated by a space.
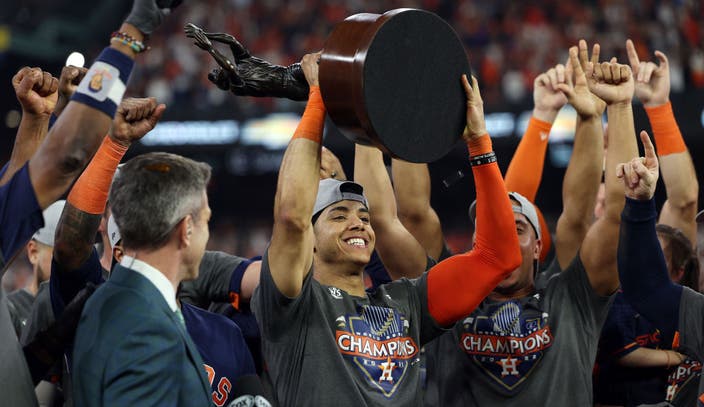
x=331 y=191
x=524 y=207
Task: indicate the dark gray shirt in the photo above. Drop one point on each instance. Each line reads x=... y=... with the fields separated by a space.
x=533 y=351
x=16 y=385
x=328 y=348
x=691 y=328
x=20 y=305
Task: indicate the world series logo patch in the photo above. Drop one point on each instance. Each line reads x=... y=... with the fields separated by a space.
x=506 y=342
x=377 y=342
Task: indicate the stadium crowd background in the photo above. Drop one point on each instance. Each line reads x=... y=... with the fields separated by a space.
x=508 y=42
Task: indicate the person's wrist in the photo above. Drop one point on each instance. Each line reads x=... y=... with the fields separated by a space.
x=545 y=114
x=625 y=104
x=656 y=102
x=34 y=116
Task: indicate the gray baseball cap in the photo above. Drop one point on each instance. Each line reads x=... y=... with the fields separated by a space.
x=51 y=215
x=331 y=191
x=524 y=207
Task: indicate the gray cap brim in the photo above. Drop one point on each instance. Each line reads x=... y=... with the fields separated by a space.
x=331 y=191
x=524 y=207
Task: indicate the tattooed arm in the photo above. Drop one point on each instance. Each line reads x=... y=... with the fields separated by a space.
x=85 y=206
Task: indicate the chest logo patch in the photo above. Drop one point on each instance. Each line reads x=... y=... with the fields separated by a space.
x=377 y=342
x=507 y=342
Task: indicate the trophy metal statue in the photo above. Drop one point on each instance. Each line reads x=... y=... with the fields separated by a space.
x=391 y=80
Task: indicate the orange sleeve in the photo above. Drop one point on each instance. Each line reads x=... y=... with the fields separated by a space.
x=526 y=170
x=90 y=192
x=526 y=167
x=311 y=125
x=668 y=139
x=458 y=284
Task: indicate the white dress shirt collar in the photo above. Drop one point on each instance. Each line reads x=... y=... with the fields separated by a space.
x=154 y=276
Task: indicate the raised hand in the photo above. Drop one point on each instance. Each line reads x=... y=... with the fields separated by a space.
x=612 y=82
x=309 y=64
x=576 y=86
x=640 y=175
x=70 y=77
x=547 y=97
x=134 y=118
x=476 y=126
x=36 y=91
x=652 y=81
x=330 y=166
x=147 y=15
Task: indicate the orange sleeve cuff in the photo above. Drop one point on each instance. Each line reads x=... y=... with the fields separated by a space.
x=668 y=139
x=538 y=129
x=479 y=146
x=90 y=192
x=313 y=120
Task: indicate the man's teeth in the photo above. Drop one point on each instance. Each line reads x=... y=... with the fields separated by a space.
x=355 y=241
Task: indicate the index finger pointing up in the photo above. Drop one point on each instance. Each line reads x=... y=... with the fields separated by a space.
x=648 y=146
x=632 y=56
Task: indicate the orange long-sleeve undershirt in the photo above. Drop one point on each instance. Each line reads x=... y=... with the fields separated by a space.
x=458 y=284
x=526 y=170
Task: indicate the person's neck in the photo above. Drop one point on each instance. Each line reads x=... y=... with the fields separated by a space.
x=499 y=296
x=33 y=286
x=164 y=259
x=350 y=279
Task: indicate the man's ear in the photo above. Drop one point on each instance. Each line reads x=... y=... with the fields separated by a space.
x=117 y=253
x=33 y=252
x=184 y=231
x=538 y=248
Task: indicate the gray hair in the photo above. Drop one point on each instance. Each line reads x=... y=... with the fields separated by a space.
x=152 y=193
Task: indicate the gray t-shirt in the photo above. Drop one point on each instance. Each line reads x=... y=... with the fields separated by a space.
x=213 y=282
x=328 y=348
x=16 y=385
x=691 y=329
x=20 y=306
x=532 y=351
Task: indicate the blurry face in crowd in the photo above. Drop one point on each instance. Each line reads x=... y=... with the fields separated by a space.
x=343 y=234
x=200 y=233
x=40 y=256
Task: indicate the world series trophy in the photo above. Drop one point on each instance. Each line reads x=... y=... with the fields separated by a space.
x=391 y=80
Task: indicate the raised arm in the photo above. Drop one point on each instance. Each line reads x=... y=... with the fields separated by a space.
x=526 y=167
x=641 y=264
x=400 y=252
x=412 y=189
x=583 y=176
x=292 y=240
x=458 y=284
x=78 y=132
x=613 y=83
x=678 y=173
x=85 y=205
x=36 y=92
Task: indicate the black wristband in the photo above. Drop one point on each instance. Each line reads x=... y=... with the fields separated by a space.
x=487 y=158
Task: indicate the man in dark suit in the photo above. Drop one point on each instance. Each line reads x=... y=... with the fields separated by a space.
x=132 y=347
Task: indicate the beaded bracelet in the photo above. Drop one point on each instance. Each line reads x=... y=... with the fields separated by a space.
x=125 y=39
x=487 y=158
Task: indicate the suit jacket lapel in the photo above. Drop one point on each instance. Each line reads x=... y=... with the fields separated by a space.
x=130 y=278
x=191 y=350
